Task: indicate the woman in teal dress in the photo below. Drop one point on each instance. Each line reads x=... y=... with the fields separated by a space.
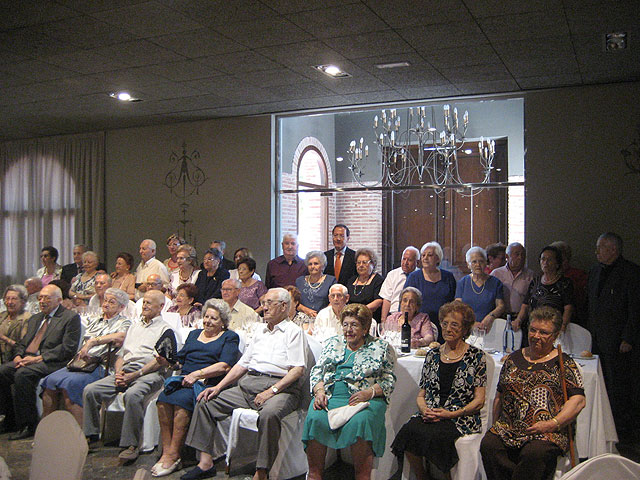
x=352 y=369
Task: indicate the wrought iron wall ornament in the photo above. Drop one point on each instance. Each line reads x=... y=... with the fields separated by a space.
x=631 y=155
x=184 y=180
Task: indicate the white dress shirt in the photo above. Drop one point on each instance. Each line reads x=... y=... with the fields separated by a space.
x=392 y=288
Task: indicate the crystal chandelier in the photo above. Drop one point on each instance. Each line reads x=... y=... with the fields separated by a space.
x=436 y=163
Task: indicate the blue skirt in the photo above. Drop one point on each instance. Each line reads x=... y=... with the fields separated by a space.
x=72 y=382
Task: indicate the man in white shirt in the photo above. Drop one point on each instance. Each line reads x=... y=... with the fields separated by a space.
x=102 y=283
x=515 y=277
x=241 y=314
x=149 y=264
x=153 y=282
x=394 y=283
x=329 y=316
x=33 y=286
x=136 y=371
x=267 y=376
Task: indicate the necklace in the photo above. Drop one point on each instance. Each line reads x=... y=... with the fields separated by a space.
x=355 y=287
x=550 y=281
x=444 y=354
x=314 y=285
x=473 y=287
x=183 y=279
x=536 y=361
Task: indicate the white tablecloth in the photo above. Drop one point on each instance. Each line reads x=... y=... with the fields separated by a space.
x=596 y=433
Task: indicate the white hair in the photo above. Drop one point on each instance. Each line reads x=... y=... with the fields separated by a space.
x=513 y=245
x=413 y=249
x=316 y=254
x=290 y=235
x=342 y=288
x=236 y=283
x=152 y=244
x=121 y=296
x=436 y=248
x=282 y=295
x=473 y=250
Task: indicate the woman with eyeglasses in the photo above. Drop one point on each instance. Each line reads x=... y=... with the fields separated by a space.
x=352 y=369
x=531 y=417
x=364 y=287
x=50 y=269
x=452 y=392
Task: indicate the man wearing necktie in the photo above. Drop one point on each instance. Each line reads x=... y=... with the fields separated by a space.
x=341 y=260
x=51 y=341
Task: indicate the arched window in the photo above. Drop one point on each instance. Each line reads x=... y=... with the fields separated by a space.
x=312 y=207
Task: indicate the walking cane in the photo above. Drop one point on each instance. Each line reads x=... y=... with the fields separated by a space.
x=564 y=395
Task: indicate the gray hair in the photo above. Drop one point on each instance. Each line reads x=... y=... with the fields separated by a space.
x=513 y=245
x=121 y=296
x=236 y=283
x=316 y=254
x=19 y=289
x=413 y=249
x=369 y=253
x=82 y=246
x=290 y=235
x=219 y=306
x=415 y=291
x=90 y=253
x=282 y=295
x=151 y=243
x=473 y=250
x=613 y=238
x=547 y=314
x=437 y=249
x=342 y=288
x=109 y=279
x=222 y=243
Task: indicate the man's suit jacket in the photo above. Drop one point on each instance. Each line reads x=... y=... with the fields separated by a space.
x=61 y=340
x=614 y=313
x=71 y=270
x=348 y=269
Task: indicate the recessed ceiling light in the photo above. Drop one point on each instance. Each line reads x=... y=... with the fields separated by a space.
x=332 y=71
x=392 y=65
x=123 y=97
x=614 y=42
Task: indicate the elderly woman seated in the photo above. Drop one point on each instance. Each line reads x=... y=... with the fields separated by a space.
x=205 y=358
x=481 y=291
x=301 y=319
x=50 y=269
x=251 y=290
x=314 y=288
x=183 y=303
x=352 y=369
x=187 y=271
x=83 y=284
x=531 y=414
x=13 y=321
x=423 y=331
x=452 y=392
x=88 y=364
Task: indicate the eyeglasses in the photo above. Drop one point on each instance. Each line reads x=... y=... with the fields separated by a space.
x=363 y=262
x=540 y=333
x=270 y=303
x=451 y=325
x=352 y=326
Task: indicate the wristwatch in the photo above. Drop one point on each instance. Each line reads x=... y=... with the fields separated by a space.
x=275 y=390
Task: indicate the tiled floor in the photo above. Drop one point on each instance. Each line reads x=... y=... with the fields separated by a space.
x=103 y=465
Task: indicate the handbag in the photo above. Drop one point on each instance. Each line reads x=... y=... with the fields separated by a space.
x=85 y=365
x=341 y=415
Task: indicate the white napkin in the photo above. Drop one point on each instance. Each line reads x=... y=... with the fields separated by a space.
x=341 y=415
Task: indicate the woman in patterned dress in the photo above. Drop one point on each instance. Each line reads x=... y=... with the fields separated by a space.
x=314 y=288
x=452 y=392
x=352 y=369
x=530 y=430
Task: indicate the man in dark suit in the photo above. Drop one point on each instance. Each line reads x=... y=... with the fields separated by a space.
x=614 y=321
x=51 y=341
x=341 y=258
x=222 y=246
x=72 y=269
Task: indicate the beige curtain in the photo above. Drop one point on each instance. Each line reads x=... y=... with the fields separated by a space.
x=52 y=194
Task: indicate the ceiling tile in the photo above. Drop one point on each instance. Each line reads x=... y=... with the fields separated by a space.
x=434 y=91
x=137 y=53
x=462 y=56
x=373 y=97
x=411 y=77
x=524 y=26
x=85 y=32
x=493 y=8
x=183 y=70
x=239 y=62
x=148 y=19
x=406 y=13
x=30 y=42
x=385 y=42
x=552 y=81
x=336 y=21
x=300 y=90
x=426 y=38
x=264 y=32
x=31 y=12
x=369 y=63
x=270 y=78
x=295 y=6
x=302 y=54
x=197 y=43
x=476 y=73
x=83 y=61
x=97 y=5
x=488 y=87
x=604 y=17
x=39 y=71
x=221 y=12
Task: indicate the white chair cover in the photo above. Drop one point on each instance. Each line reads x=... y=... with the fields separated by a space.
x=575 y=339
x=469 y=466
x=605 y=466
x=493 y=339
x=59 y=448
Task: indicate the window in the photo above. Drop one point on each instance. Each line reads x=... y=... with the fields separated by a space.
x=312 y=207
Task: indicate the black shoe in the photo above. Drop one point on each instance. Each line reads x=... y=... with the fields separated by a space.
x=24 y=432
x=197 y=473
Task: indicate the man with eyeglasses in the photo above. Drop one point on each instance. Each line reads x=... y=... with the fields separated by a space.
x=241 y=314
x=267 y=381
x=51 y=341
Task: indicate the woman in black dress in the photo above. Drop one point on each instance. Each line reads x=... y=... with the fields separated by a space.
x=364 y=288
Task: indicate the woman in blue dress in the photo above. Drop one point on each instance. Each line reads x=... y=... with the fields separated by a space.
x=482 y=292
x=352 y=369
x=314 y=288
x=207 y=355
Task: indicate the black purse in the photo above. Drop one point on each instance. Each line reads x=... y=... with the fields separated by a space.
x=167 y=347
x=85 y=365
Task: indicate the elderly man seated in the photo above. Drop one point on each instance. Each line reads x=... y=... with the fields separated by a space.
x=154 y=282
x=241 y=314
x=136 y=374
x=50 y=342
x=102 y=284
x=33 y=286
x=267 y=380
x=329 y=316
